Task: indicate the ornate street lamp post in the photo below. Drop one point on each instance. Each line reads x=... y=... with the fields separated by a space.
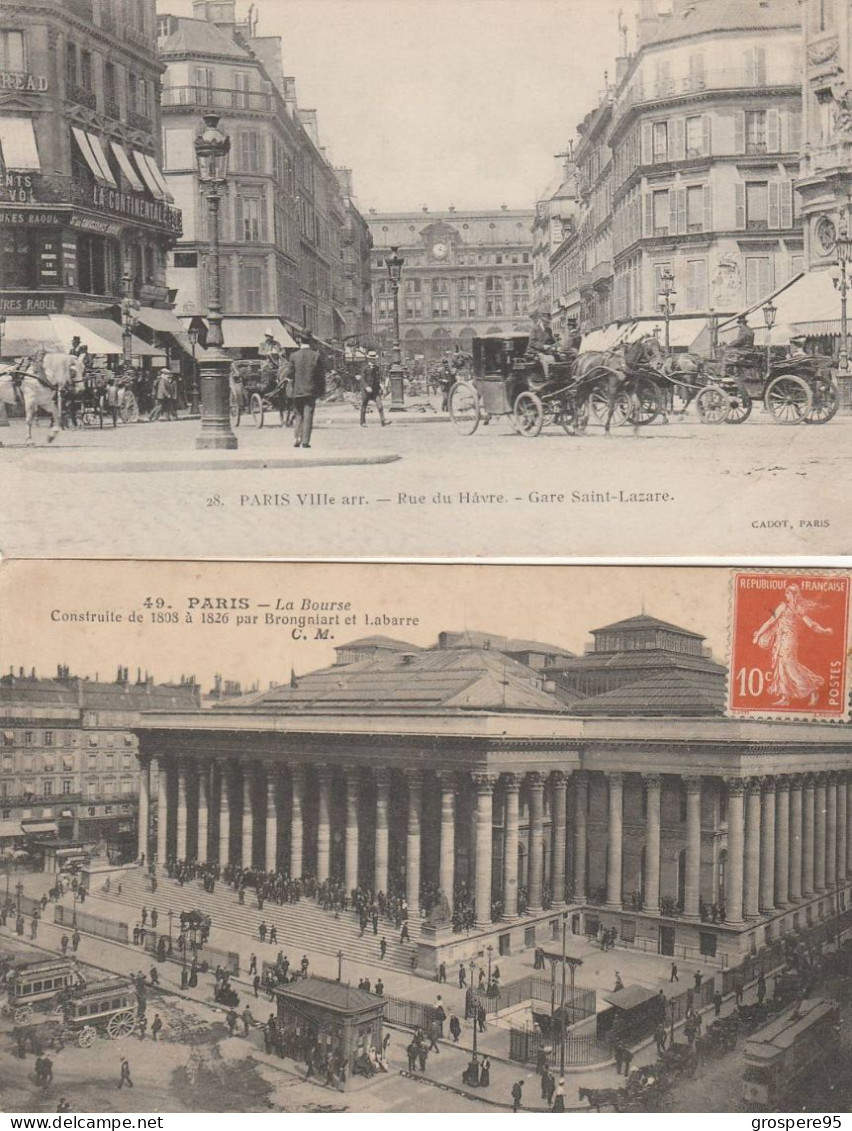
x=843 y=247
x=394 y=263
x=667 y=302
x=211 y=150
x=129 y=314
x=769 y=312
x=192 y=333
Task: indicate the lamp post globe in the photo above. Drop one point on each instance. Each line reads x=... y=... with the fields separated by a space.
x=843 y=250
x=212 y=148
x=769 y=313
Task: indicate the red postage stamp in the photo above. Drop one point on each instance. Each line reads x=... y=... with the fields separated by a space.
x=788 y=645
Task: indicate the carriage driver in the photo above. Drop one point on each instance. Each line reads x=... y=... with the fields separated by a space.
x=542 y=344
x=269 y=347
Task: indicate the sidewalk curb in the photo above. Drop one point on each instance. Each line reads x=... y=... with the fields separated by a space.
x=206 y=462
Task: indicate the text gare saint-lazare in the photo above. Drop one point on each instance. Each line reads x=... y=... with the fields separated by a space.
x=439 y=498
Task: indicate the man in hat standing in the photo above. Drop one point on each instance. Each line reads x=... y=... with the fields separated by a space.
x=371 y=390
x=306 y=371
x=162 y=393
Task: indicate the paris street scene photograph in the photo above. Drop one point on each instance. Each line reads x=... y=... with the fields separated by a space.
x=412 y=839
x=407 y=278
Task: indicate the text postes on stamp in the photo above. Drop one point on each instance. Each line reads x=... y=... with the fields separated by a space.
x=789 y=635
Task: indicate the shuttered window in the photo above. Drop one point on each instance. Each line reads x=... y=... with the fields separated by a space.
x=661 y=213
x=758 y=278
x=696 y=284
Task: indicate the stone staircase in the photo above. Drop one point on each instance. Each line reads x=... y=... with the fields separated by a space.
x=303 y=928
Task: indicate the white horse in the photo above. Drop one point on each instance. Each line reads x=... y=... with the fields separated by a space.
x=40 y=392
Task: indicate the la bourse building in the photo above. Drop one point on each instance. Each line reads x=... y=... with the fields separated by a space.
x=608 y=787
x=82 y=198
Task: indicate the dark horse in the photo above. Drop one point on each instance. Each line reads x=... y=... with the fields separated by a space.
x=614 y=372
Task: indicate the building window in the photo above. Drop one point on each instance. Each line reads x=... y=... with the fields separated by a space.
x=494 y=296
x=29 y=737
x=758 y=278
x=755 y=131
x=661 y=212
x=66 y=785
x=822 y=15
x=240 y=95
x=12 y=51
x=204 y=85
x=251 y=220
x=93 y=761
x=695 y=136
x=186 y=259
x=696 y=284
x=520 y=294
x=250 y=150
x=661 y=142
x=467 y=297
x=71 y=64
x=47 y=788
x=126 y=787
x=695 y=208
x=757 y=205
x=110 y=88
x=252 y=279
x=86 y=70
x=413 y=306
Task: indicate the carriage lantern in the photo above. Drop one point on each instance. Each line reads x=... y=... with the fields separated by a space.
x=769 y=312
x=212 y=147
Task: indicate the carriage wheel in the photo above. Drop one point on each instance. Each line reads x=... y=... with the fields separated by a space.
x=121 y=1025
x=528 y=414
x=464 y=408
x=574 y=416
x=825 y=401
x=788 y=399
x=647 y=402
x=712 y=405
x=739 y=408
x=236 y=409
x=256 y=409
x=23 y=1015
x=87 y=1037
x=129 y=410
x=598 y=403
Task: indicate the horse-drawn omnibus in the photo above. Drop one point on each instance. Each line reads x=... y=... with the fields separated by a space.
x=779 y=1055
x=41 y=984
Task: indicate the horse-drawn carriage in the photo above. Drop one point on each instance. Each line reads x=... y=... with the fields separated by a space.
x=258 y=386
x=38 y=985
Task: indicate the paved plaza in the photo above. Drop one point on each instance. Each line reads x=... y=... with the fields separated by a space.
x=712 y=490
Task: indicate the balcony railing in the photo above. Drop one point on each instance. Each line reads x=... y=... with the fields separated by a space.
x=140 y=121
x=139 y=38
x=82 y=96
x=721 y=80
x=112 y=108
x=222 y=97
x=27 y=799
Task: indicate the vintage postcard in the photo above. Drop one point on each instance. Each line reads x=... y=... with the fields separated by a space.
x=398 y=838
x=549 y=278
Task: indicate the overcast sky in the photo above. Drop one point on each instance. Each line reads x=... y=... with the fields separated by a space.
x=555 y=604
x=441 y=102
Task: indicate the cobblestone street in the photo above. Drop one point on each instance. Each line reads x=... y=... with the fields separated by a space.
x=714 y=490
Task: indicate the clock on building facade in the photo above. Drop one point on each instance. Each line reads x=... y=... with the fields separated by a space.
x=825 y=234
x=440 y=250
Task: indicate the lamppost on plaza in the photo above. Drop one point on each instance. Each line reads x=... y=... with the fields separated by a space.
x=129 y=315
x=340 y=966
x=171 y=917
x=490 y=950
x=19 y=891
x=769 y=312
x=714 y=332
x=211 y=150
x=667 y=302
x=192 y=334
x=474 y=1005
x=394 y=263
x=843 y=247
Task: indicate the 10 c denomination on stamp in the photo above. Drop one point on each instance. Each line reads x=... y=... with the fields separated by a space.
x=788 y=655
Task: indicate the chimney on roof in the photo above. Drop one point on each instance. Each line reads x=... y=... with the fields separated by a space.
x=647 y=22
x=290 y=92
x=406 y=658
x=222 y=13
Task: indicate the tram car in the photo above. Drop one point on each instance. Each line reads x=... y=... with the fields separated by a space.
x=787 y=1050
x=108 y=1007
x=38 y=984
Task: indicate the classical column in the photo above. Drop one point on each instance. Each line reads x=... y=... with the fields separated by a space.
x=653 y=785
x=581 y=802
x=224 y=814
x=180 y=846
x=767 y=845
x=247 y=854
x=144 y=809
x=484 y=784
x=297 y=854
x=380 y=878
x=616 y=820
x=412 y=842
x=831 y=831
x=782 y=842
x=203 y=811
x=559 y=816
x=511 y=791
x=162 y=809
x=535 y=885
x=324 y=824
x=842 y=831
x=752 y=849
x=692 y=885
x=734 y=868
x=447 y=858
x=808 y=837
x=795 y=838
x=271 y=817
x=350 y=858
x=819 y=833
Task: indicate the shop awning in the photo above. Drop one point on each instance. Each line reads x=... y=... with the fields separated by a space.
x=158 y=176
x=807 y=304
x=604 y=338
x=9 y=829
x=682 y=331
x=39 y=827
x=18 y=143
x=101 y=157
x=151 y=175
x=126 y=167
x=111 y=332
x=247 y=333
x=56 y=331
x=84 y=144
x=165 y=321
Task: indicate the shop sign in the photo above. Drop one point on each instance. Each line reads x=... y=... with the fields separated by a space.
x=137 y=207
x=23 y=80
x=19 y=187
x=95 y=224
x=19 y=216
x=27 y=302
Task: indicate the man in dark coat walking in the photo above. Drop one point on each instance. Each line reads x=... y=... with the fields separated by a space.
x=306 y=372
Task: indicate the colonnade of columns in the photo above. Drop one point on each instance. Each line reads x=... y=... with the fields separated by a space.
x=788 y=837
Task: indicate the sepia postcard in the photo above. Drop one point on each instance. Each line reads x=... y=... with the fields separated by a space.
x=543 y=278
x=424 y=838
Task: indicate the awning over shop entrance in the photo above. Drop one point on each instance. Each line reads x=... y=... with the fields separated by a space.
x=164 y=321
x=603 y=339
x=682 y=331
x=18 y=144
x=55 y=332
x=9 y=829
x=126 y=166
x=39 y=827
x=247 y=333
x=807 y=304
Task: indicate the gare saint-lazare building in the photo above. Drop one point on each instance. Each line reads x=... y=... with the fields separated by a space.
x=610 y=787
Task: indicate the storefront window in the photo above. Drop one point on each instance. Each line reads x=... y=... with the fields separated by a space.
x=18 y=257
